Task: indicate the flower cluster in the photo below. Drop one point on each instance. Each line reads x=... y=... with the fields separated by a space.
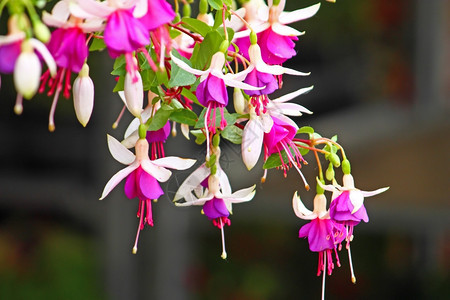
x=173 y=70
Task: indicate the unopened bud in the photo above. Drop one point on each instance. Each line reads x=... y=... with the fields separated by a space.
x=253 y=38
x=329 y=174
x=224 y=46
x=216 y=140
x=83 y=95
x=239 y=101
x=134 y=94
x=334 y=159
x=203 y=6
x=346 y=168
x=27 y=72
x=41 y=31
x=186 y=10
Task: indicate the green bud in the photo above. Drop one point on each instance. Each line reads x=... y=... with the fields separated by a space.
x=319 y=189
x=276 y=2
x=41 y=31
x=335 y=160
x=211 y=161
x=203 y=6
x=213 y=169
x=224 y=46
x=253 y=38
x=329 y=174
x=216 y=140
x=346 y=169
x=186 y=10
x=142 y=131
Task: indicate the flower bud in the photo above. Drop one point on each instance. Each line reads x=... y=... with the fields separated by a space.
x=186 y=10
x=239 y=101
x=83 y=96
x=346 y=169
x=41 y=31
x=203 y=6
x=329 y=174
x=27 y=71
x=134 y=94
x=334 y=159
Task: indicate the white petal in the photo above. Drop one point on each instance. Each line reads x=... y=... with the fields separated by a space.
x=118 y=177
x=224 y=182
x=140 y=9
x=252 y=140
x=120 y=152
x=192 y=181
x=99 y=9
x=134 y=94
x=92 y=25
x=134 y=125
x=278 y=70
x=285 y=30
x=373 y=193
x=241 y=75
x=27 y=74
x=131 y=140
x=256 y=28
x=235 y=23
x=290 y=109
x=238 y=84
x=11 y=38
x=174 y=162
x=186 y=67
x=51 y=20
x=357 y=199
x=242 y=195
x=266 y=122
x=299 y=14
x=185 y=130
x=292 y=95
x=194 y=201
x=160 y=173
x=48 y=58
x=300 y=210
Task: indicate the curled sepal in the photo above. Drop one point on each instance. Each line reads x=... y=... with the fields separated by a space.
x=300 y=210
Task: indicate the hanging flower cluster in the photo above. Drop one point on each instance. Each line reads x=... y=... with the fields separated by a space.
x=173 y=69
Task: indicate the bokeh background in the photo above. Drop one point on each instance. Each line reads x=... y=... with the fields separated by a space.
x=380 y=71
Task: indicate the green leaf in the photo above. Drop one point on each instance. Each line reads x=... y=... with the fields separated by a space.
x=196 y=26
x=160 y=118
x=184 y=116
x=189 y=95
x=119 y=84
x=274 y=160
x=200 y=137
x=97 y=45
x=210 y=45
x=233 y=134
x=305 y=129
x=180 y=77
x=303 y=151
x=149 y=79
x=215 y=4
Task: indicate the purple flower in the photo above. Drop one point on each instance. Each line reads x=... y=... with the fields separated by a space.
x=213 y=91
x=276 y=48
x=10 y=48
x=260 y=79
x=341 y=209
x=215 y=208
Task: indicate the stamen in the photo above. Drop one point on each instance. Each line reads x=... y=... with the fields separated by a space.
x=291 y=159
x=323 y=279
x=119 y=117
x=208 y=109
x=141 y=213
x=224 y=253
x=350 y=262
x=18 y=107
x=51 y=117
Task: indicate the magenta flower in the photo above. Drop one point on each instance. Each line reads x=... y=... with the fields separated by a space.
x=214 y=193
x=280 y=138
x=275 y=38
x=159 y=12
x=323 y=233
x=143 y=176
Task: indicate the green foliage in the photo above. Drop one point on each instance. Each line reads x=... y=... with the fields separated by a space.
x=196 y=26
x=180 y=77
x=233 y=134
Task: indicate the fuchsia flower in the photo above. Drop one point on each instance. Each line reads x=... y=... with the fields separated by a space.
x=274 y=37
x=217 y=197
x=143 y=176
x=323 y=233
x=159 y=12
x=211 y=92
x=123 y=33
x=10 y=48
x=261 y=122
x=280 y=138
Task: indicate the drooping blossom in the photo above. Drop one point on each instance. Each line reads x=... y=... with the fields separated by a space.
x=143 y=176
x=323 y=233
x=211 y=92
x=347 y=208
x=279 y=138
x=275 y=38
x=10 y=49
x=213 y=192
x=123 y=33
